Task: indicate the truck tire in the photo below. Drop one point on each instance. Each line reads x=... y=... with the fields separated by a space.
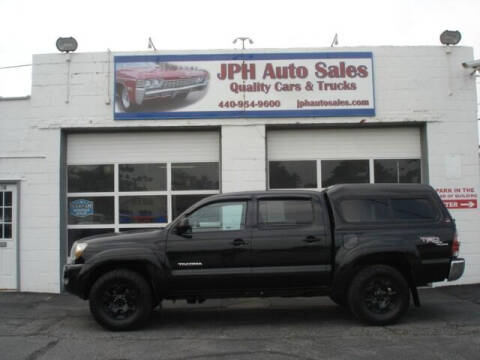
x=121 y=300
x=378 y=295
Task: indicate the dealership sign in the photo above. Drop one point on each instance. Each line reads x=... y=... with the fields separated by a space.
x=244 y=85
x=81 y=208
x=462 y=197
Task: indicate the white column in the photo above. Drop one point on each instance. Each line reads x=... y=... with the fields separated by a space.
x=243 y=158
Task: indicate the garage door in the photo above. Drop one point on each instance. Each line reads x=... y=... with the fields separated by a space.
x=317 y=158
x=123 y=181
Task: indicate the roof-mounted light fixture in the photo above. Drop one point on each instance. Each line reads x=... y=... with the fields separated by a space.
x=449 y=37
x=66 y=44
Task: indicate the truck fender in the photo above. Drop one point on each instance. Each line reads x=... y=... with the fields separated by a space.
x=348 y=261
x=152 y=265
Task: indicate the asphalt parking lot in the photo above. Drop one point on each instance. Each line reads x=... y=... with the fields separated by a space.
x=46 y=326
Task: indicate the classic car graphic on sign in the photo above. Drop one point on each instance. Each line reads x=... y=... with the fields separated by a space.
x=139 y=83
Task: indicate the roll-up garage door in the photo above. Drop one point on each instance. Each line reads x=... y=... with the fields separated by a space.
x=143 y=147
x=136 y=180
x=317 y=158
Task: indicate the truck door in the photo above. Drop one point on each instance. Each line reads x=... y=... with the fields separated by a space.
x=214 y=252
x=290 y=242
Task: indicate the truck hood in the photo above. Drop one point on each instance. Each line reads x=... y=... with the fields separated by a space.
x=125 y=236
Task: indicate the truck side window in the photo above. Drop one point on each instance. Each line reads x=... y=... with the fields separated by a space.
x=285 y=212
x=221 y=216
x=413 y=209
x=368 y=210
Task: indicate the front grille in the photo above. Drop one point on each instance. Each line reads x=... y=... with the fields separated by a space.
x=173 y=84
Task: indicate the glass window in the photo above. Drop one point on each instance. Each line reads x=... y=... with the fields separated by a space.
x=142 y=177
x=77 y=234
x=7 y=231
x=195 y=176
x=224 y=216
x=180 y=203
x=292 y=174
x=413 y=209
x=90 y=178
x=410 y=171
x=368 y=210
x=285 y=212
x=143 y=209
x=344 y=172
x=90 y=210
x=397 y=171
x=7 y=214
x=8 y=198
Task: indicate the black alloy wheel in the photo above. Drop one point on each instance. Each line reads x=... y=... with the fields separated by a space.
x=379 y=295
x=121 y=300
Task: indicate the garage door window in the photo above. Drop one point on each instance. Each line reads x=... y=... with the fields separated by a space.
x=90 y=178
x=91 y=210
x=397 y=171
x=195 y=176
x=293 y=174
x=143 y=209
x=142 y=177
x=300 y=174
x=345 y=172
x=109 y=197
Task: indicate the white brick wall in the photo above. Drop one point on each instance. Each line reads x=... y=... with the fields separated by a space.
x=412 y=84
x=243 y=158
x=32 y=155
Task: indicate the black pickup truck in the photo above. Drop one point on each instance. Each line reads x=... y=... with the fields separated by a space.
x=366 y=246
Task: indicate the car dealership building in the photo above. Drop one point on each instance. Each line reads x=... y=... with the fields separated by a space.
x=109 y=142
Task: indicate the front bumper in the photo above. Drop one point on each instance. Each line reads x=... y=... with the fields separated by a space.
x=71 y=279
x=457 y=267
x=142 y=94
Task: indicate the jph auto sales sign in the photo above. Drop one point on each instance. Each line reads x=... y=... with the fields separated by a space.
x=244 y=85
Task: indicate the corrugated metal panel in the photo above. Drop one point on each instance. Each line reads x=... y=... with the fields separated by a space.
x=143 y=147
x=378 y=143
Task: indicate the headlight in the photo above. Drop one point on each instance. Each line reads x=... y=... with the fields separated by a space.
x=77 y=250
x=148 y=83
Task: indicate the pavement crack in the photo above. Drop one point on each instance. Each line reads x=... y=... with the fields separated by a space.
x=43 y=350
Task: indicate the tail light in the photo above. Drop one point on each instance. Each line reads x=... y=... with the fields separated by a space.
x=455 y=245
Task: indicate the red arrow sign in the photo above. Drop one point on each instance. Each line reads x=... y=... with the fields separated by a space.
x=461 y=204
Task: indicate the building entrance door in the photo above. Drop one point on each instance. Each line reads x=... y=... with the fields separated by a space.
x=8 y=237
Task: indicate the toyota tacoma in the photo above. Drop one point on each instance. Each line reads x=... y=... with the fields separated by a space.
x=367 y=246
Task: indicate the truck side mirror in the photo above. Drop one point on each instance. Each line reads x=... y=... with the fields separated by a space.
x=183 y=227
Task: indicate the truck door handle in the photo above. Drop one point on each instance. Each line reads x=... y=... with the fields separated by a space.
x=311 y=239
x=239 y=242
